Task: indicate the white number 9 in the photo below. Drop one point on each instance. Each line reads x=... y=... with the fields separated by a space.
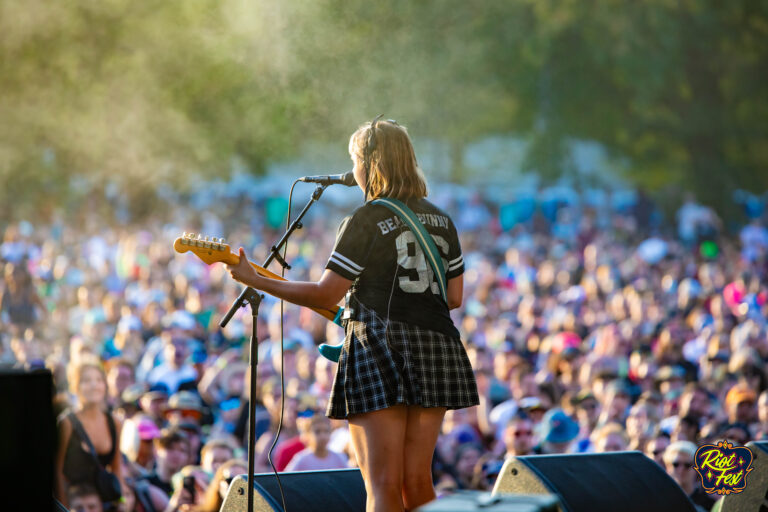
x=418 y=263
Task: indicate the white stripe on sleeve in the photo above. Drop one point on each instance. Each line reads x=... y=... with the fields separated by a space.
x=346 y=260
x=343 y=265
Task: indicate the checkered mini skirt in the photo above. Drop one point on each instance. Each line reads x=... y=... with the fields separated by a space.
x=409 y=365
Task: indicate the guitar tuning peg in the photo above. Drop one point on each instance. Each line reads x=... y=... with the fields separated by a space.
x=221 y=241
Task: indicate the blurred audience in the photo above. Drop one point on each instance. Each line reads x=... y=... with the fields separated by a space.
x=593 y=325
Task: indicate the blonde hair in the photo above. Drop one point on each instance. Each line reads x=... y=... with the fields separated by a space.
x=319 y=419
x=392 y=168
x=685 y=447
x=76 y=371
x=607 y=430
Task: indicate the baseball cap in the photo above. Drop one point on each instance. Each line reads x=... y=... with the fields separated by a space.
x=185 y=401
x=132 y=393
x=147 y=429
x=738 y=394
x=558 y=427
x=229 y=404
x=157 y=390
x=566 y=341
x=531 y=403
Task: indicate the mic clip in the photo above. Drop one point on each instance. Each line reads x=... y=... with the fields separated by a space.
x=280 y=259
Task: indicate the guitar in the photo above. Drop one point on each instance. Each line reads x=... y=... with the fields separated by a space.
x=216 y=251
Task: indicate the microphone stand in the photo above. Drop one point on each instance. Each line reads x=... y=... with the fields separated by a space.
x=253 y=298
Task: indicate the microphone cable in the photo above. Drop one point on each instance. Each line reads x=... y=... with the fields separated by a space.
x=282 y=362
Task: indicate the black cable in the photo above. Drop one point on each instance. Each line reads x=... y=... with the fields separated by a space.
x=392 y=291
x=282 y=363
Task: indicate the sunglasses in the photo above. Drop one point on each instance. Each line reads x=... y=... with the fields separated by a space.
x=677 y=464
x=521 y=433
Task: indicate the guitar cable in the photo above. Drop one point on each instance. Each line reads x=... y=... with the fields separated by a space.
x=282 y=361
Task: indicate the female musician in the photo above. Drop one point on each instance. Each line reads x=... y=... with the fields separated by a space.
x=402 y=365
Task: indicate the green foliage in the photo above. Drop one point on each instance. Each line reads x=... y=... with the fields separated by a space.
x=165 y=91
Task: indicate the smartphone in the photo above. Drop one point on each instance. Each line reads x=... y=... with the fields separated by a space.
x=189 y=485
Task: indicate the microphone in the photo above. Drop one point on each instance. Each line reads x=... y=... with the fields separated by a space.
x=348 y=179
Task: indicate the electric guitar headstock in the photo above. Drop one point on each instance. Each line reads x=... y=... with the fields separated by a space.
x=212 y=250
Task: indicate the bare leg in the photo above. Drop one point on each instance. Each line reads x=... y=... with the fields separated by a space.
x=422 y=429
x=378 y=438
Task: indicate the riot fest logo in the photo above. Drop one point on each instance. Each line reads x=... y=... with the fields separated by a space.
x=723 y=468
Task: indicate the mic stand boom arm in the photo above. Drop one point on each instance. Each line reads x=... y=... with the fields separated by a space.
x=274 y=253
x=252 y=297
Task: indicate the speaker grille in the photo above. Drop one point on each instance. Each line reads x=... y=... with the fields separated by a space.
x=603 y=482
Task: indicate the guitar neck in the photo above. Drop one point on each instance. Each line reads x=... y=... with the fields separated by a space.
x=330 y=314
x=214 y=253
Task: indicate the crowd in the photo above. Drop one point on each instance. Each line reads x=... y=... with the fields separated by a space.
x=592 y=322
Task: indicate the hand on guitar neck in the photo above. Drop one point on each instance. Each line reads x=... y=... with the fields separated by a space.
x=216 y=251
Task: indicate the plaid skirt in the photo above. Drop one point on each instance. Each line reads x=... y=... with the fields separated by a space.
x=410 y=366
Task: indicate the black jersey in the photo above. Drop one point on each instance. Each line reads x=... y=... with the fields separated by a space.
x=381 y=254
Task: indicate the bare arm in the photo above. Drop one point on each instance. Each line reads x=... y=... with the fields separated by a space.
x=325 y=293
x=158 y=497
x=455 y=291
x=208 y=384
x=117 y=460
x=484 y=408
x=65 y=431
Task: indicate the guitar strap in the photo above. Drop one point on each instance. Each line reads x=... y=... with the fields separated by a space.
x=428 y=246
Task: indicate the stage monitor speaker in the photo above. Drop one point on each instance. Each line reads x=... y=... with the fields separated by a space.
x=467 y=501
x=27 y=440
x=338 y=490
x=754 y=497
x=600 y=482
